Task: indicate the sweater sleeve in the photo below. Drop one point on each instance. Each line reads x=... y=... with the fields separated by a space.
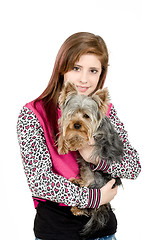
x=130 y=166
x=37 y=164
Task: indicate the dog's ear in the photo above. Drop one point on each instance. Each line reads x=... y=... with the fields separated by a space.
x=68 y=90
x=101 y=97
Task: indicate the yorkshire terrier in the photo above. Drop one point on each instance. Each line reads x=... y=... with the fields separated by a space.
x=82 y=118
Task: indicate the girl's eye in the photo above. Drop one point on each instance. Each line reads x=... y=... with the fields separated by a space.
x=76 y=69
x=94 y=71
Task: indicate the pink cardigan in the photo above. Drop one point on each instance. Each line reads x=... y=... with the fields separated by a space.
x=64 y=165
x=47 y=172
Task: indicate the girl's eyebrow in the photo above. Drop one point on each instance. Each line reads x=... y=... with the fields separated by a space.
x=77 y=65
x=95 y=68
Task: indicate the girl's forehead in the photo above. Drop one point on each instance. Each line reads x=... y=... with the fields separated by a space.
x=89 y=60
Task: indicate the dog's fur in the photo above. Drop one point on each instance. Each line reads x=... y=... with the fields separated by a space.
x=82 y=118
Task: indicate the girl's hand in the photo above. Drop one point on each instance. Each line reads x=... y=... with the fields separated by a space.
x=86 y=152
x=107 y=192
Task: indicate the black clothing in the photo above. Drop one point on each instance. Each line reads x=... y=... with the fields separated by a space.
x=54 y=222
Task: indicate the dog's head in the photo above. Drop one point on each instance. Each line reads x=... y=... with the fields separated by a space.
x=81 y=115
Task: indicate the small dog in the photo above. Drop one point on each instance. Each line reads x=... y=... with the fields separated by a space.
x=81 y=116
x=84 y=117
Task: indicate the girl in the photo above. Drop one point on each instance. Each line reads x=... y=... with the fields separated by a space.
x=82 y=60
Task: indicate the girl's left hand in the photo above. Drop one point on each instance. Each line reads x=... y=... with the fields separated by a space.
x=86 y=152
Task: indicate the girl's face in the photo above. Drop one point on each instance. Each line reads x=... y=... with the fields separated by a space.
x=85 y=74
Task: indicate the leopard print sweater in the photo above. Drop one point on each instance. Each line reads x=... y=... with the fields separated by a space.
x=45 y=184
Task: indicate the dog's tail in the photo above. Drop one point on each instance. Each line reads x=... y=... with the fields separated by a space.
x=99 y=218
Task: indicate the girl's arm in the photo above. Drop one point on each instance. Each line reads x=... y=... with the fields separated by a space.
x=37 y=164
x=130 y=166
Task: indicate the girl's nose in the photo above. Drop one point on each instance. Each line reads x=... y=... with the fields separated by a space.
x=83 y=78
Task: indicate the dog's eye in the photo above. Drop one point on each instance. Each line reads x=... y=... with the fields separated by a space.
x=85 y=116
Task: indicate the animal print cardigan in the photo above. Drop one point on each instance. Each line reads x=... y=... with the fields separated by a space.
x=48 y=173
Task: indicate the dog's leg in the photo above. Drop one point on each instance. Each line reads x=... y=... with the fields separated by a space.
x=75 y=210
x=79 y=212
x=77 y=181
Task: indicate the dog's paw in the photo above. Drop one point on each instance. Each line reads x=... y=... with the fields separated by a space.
x=77 y=181
x=78 y=212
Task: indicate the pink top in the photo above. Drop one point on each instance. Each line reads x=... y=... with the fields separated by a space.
x=64 y=165
x=48 y=172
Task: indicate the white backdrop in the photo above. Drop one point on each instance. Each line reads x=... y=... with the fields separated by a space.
x=32 y=32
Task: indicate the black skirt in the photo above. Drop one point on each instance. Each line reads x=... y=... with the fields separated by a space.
x=54 y=222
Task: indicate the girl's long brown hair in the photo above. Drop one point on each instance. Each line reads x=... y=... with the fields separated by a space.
x=70 y=52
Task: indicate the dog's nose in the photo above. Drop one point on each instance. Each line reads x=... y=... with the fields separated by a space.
x=77 y=125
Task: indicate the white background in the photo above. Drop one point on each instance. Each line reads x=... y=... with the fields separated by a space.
x=32 y=32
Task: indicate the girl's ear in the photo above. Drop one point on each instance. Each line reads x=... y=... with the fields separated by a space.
x=101 y=97
x=68 y=90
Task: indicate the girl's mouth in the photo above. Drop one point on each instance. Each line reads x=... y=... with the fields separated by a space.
x=82 y=89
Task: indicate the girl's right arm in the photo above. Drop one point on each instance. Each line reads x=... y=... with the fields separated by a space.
x=37 y=164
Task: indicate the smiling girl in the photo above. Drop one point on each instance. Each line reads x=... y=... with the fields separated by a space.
x=82 y=60
x=85 y=74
